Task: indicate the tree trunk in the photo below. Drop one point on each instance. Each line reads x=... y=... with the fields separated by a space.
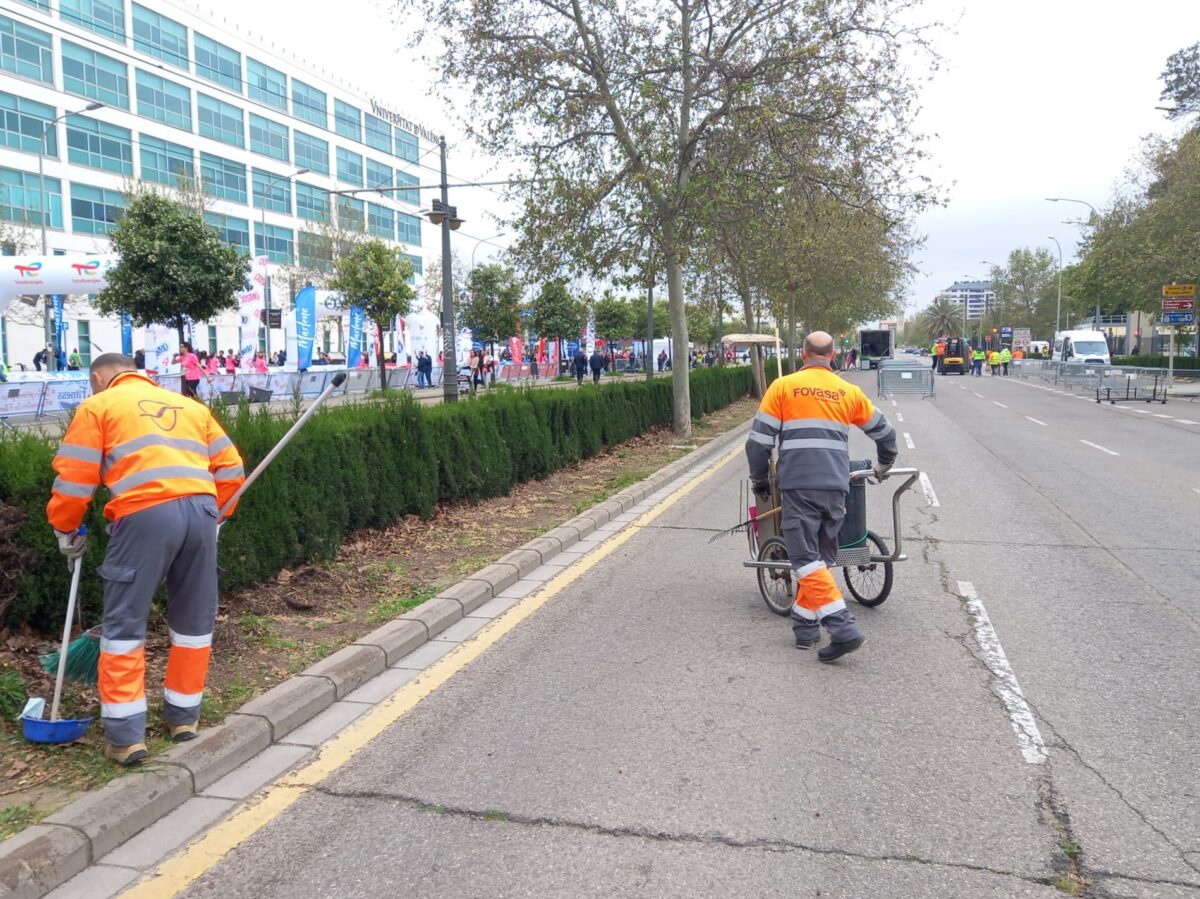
x=382 y=364
x=179 y=328
x=756 y=365
x=649 y=359
x=681 y=418
x=791 y=334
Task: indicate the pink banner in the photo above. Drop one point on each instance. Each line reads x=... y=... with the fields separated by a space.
x=251 y=302
x=514 y=347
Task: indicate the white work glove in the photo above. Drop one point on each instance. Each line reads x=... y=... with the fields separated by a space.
x=880 y=470
x=71 y=544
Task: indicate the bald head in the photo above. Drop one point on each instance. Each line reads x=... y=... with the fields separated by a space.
x=818 y=347
x=106 y=367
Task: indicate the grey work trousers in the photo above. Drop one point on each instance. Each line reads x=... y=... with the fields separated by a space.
x=176 y=542
x=811 y=522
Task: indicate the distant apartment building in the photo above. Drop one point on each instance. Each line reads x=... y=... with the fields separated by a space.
x=977 y=295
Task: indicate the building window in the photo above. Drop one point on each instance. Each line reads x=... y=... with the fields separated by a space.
x=349 y=167
x=234 y=231
x=278 y=245
x=378 y=175
x=410 y=229
x=19 y=200
x=315 y=251
x=312 y=153
x=212 y=340
x=26 y=51
x=22 y=123
x=223 y=178
x=220 y=120
x=166 y=163
x=101 y=16
x=312 y=203
x=218 y=63
x=164 y=101
x=267 y=85
x=269 y=138
x=418 y=265
x=95 y=210
x=406 y=145
x=93 y=75
x=43 y=5
x=381 y=221
x=272 y=192
x=351 y=214
x=84 y=331
x=309 y=104
x=160 y=37
x=379 y=133
x=99 y=145
x=407 y=196
x=347 y=120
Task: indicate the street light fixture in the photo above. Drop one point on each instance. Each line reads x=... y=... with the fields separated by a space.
x=996 y=265
x=266 y=252
x=91 y=107
x=1058 y=307
x=1096 y=213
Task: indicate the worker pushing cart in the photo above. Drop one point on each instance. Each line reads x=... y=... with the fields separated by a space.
x=808 y=415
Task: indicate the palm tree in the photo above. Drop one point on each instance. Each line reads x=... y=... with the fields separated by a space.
x=942 y=318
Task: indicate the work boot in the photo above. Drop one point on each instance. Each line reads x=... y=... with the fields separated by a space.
x=807 y=644
x=835 y=651
x=181 y=733
x=126 y=756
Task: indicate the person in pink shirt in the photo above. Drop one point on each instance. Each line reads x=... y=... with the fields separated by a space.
x=231 y=361
x=191 y=369
x=260 y=364
x=212 y=365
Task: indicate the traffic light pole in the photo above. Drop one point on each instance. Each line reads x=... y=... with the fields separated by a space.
x=449 y=368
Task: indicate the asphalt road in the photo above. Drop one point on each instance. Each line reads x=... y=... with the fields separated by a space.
x=651 y=731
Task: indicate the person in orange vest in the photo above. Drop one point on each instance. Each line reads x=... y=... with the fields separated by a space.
x=809 y=414
x=168 y=468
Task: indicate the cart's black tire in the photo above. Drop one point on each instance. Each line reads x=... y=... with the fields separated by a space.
x=776 y=585
x=872 y=583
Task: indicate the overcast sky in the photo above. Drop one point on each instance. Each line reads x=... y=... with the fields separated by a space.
x=1036 y=98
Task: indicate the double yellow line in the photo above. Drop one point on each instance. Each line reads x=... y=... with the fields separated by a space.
x=174 y=875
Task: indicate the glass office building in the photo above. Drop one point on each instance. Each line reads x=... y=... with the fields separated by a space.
x=187 y=102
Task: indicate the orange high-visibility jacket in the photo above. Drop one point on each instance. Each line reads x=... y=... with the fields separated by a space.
x=809 y=414
x=147 y=445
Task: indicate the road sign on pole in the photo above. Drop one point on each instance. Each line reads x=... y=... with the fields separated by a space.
x=1179 y=318
x=1181 y=291
x=1170 y=304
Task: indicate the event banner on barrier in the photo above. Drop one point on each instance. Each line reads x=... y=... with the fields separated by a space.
x=251 y=302
x=306 y=326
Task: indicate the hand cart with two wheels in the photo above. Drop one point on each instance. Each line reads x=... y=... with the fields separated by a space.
x=863 y=554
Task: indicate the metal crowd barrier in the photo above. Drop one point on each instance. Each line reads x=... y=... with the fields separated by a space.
x=905 y=376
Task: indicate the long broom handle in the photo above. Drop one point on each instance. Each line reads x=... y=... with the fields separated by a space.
x=66 y=637
x=338 y=380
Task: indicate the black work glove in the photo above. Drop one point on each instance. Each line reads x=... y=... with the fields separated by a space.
x=762 y=489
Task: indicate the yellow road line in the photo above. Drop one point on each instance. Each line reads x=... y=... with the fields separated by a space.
x=173 y=875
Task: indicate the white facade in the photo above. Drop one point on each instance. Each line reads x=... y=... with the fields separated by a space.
x=978 y=295
x=186 y=99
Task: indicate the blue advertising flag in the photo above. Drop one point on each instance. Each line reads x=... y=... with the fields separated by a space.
x=306 y=326
x=354 y=351
x=126 y=334
x=60 y=324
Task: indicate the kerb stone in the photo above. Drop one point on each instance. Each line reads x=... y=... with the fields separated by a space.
x=473 y=592
x=349 y=668
x=396 y=638
x=39 y=858
x=437 y=614
x=524 y=560
x=293 y=702
x=218 y=750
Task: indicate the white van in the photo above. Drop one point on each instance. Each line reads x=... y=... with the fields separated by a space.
x=1081 y=346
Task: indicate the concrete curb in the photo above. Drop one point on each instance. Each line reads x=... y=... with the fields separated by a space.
x=44 y=856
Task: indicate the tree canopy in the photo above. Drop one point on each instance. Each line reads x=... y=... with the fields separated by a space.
x=374 y=277
x=556 y=314
x=493 y=307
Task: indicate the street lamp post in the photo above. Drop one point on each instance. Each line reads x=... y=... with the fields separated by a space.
x=1001 y=323
x=446 y=217
x=1096 y=213
x=266 y=251
x=52 y=363
x=1058 y=306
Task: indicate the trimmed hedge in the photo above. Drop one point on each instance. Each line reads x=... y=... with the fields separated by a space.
x=353 y=466
x=1182 y=363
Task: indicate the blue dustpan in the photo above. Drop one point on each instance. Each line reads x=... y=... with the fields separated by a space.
x=62 y=731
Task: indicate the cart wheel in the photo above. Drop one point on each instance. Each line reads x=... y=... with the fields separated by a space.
x=775 y=584
x=870 y=584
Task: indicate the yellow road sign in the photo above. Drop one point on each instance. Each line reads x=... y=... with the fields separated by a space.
x=1179 y=290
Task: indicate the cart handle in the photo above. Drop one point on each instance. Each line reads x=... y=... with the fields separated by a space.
x=910 y=476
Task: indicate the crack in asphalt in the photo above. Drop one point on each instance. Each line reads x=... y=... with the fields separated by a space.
x=714 y=838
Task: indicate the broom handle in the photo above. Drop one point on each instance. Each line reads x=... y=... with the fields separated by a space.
x=338 y=380
x=62 y=650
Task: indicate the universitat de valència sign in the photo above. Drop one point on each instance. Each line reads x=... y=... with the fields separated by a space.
x=396 y=119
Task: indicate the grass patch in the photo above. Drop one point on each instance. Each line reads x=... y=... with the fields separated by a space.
x=1071 y=849
x=12 y=693
x=469 y=564
x=16 y=818
x=493 y=815
x=393 y=608
x=1072 y=886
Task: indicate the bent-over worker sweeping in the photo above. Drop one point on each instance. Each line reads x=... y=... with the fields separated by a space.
x=167 y=465
x=809 y=414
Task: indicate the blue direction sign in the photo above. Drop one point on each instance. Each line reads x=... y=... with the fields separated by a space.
x=1006 y=332
x=1178 y=318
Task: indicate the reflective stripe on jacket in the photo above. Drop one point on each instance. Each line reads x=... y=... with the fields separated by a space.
x=809 y=413
x=147 y=445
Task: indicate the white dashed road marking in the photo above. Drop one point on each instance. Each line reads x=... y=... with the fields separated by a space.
x=895 y=405
x=1036 y=422
x=1160 y=415
x=1001 y=405
x=927 y=488
x=908 y=441
x=1099 y=447
x=900 y=416
x=1185 y=421
x=1004 y=681
x=980 y=395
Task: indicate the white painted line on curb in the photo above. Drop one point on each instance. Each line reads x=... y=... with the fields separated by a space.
x=1036 y=422
x=1004 y=682
x=1099 y=447
x=1001 y=405
x=927 y=487
x=908 y=441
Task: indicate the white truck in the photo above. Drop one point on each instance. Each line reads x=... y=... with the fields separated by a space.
x=1089 y=347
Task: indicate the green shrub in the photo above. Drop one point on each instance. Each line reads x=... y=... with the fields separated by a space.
x=1182 y=363
x=353 y=466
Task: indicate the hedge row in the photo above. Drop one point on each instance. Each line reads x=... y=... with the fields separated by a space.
x=352 y=467
x=1182 y=363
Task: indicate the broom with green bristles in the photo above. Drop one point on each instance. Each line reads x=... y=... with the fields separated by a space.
x=83 y=655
